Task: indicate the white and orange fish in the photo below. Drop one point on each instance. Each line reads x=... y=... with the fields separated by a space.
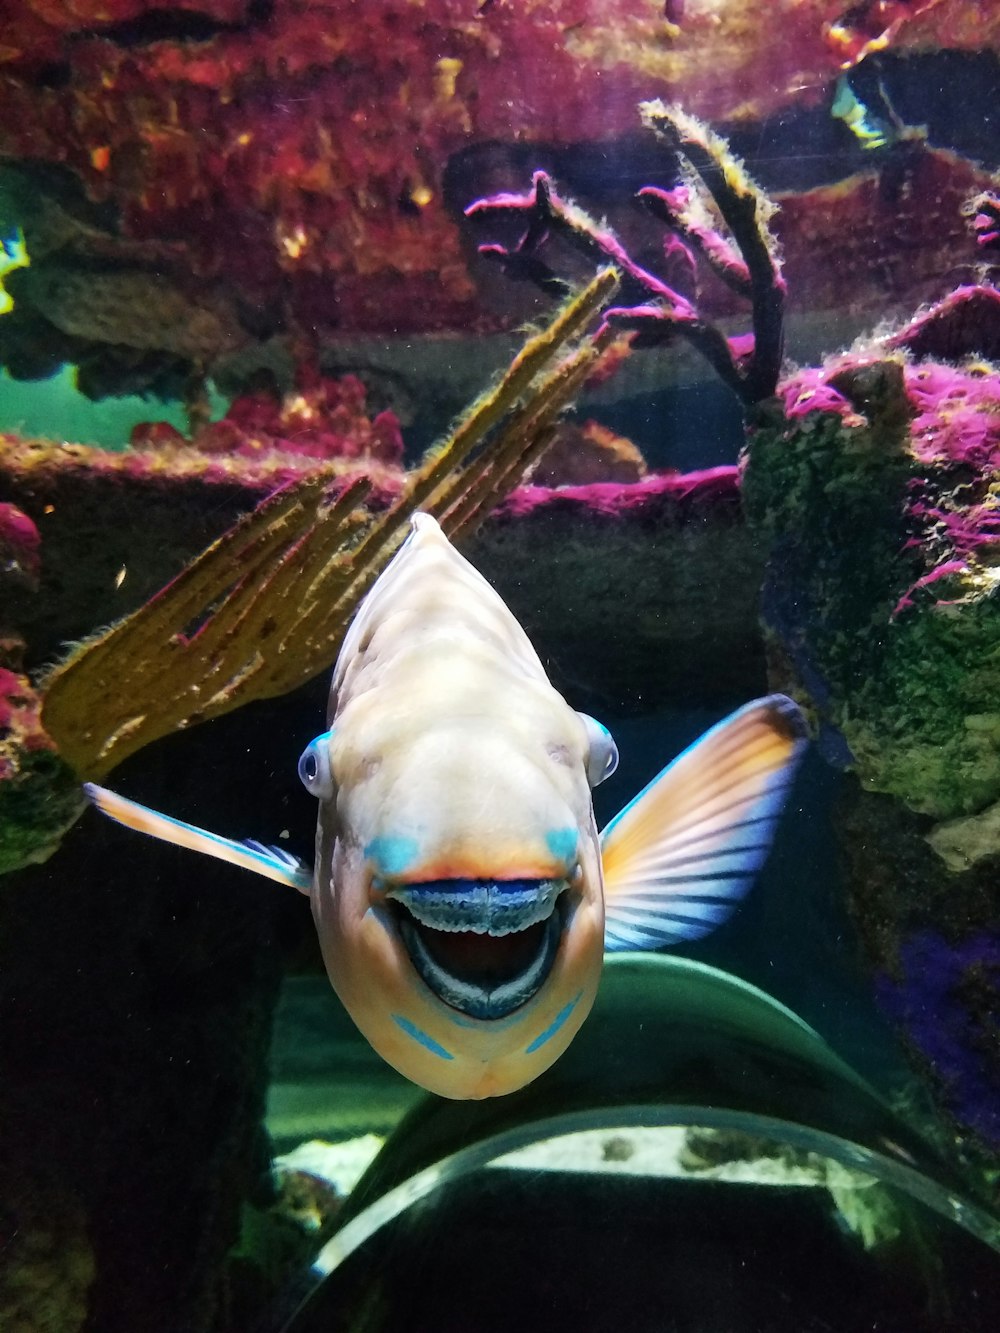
x=463 y=896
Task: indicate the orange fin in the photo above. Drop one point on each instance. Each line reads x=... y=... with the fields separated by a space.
x=271 y=862
x=681 y=855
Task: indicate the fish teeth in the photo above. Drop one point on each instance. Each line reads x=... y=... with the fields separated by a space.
x=482 y=906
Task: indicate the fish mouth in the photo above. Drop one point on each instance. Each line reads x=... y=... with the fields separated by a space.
x=483 y=946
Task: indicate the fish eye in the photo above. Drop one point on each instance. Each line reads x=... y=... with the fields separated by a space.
x=314 y=768
x=602 y=758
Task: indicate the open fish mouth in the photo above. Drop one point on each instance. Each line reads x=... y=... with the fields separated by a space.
x=483 y=946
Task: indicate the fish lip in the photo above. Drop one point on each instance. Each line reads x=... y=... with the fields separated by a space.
x=425 y=933
x=495 y=907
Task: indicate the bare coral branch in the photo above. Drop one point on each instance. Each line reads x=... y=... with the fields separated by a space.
x=745 y=259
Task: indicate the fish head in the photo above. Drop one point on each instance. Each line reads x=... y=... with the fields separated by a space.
x=458 y=894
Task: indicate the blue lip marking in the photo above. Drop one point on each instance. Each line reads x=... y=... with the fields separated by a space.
x=562 y=842
x=425 y=1040
x=392 y=854
x=554 y=1026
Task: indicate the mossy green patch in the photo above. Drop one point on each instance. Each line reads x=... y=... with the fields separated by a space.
x=909 y=674
x=37 y=804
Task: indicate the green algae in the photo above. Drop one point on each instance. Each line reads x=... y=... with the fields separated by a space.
x=37 y=805
x=910 y=681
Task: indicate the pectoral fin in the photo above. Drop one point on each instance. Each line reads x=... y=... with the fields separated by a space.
x=682 y=854
x=271 y=862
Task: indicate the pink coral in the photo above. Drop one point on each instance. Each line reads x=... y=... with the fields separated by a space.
x=682 y=496
x=20 y=546
x=322 y=418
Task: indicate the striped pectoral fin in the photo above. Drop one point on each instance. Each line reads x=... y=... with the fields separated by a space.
x=682 y=854
x=271 y=862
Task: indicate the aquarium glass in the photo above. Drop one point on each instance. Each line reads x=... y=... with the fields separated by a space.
x=421 y=422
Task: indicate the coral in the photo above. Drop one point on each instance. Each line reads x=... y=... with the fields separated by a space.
x=321 y=418
x=985 y=211
x=669 y=498
x=874 y=485
x=945 y=995
x=657 y=312
x=294 y=571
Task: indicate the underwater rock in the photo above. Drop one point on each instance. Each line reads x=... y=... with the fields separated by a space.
x=687 y=630
x=136 y=1011
x=48 y=1260
x=883 y=240
x=585 y=453
x=127 y=307
x=965 y=324
x=932 y=939
x=962 y=842
x=117 y=525
x=873 y=484
x=560 y=558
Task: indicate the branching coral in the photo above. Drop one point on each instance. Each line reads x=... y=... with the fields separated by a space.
x=263 y=608
x=745 y=260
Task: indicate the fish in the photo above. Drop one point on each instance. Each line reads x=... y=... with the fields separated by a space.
x=868 y=127
x=463 y=896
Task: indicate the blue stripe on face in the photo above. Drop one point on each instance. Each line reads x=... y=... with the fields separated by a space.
x=425 y=1040
x=554 y=1026
x=391 y=854
x=561 y=843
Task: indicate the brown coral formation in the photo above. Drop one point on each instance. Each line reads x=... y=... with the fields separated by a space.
x=588 y=452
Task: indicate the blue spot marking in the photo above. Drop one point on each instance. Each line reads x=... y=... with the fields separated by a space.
x=554 y=1026
x=562 y=842
x=392 y=854
x=418 y=1034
